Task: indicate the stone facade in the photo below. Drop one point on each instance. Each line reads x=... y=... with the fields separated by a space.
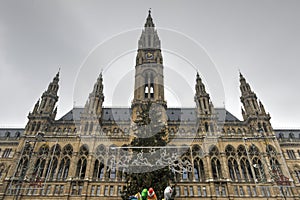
x=74 y=156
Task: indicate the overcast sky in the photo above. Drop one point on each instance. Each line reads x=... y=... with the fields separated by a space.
x=261 y=38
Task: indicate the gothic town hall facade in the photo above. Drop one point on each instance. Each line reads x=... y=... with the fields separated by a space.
x=71 y=157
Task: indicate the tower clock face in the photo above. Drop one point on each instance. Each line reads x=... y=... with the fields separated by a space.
x=149 y=55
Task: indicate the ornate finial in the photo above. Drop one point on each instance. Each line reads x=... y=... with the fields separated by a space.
x=241 y=75
x=57 y=75
x=149 y=22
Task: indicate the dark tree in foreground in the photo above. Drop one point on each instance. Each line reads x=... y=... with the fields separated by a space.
x=150 y=131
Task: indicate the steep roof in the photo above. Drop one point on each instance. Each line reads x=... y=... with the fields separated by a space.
x=174 y=114
x=11 y=132
x=288 y=133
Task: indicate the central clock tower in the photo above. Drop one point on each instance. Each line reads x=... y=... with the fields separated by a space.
x=149 y=78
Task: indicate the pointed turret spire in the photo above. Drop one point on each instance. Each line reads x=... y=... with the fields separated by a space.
x=149 y=21
x=96 y=98
x=44 y=110
x=149 y=38
x=202 y=98
x=200 y=87
x=53 y=86
x=50 y=97
x=91 y=117
x=205 y=109
x=249 y=99
x=244 y=86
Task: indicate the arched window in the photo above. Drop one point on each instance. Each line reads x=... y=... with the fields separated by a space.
x=233 y=168
x=215 y=163
x=64 y=167
x=258 y=170
x=22 y=168
x=81 y=168
x=82 y=162
x=53 y=163
x=98 y=169
x=199 y=172
x=39 y=166
x=275 y=166
x=246 y=169
x=186 y=175
x=216 y=168
x=112 y=168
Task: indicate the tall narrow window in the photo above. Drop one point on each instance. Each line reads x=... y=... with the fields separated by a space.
x=82 y=162
x=216 y=168
x=146 y=91
x=151 y=91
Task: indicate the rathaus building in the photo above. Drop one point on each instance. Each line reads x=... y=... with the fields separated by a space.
x=80 y=156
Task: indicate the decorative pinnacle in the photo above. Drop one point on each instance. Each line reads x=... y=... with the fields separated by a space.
x=149 y=21
x=241 y=75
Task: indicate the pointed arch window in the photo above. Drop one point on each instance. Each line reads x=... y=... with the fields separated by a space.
x=53 y=163
x=199 y=173
x=216 y=168
x=112 y=167
x=64 y=165
x=63 y=170
x=151 y=90
x=52 y=168
x=275 y=166
x=233 y=169
x=81 y=168
x=22 y=168
x=39 y=166
x=82 y=162
x=258 y=170
x=98 y=169
x=246 y=169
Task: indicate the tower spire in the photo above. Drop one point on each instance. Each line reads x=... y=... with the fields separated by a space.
x=96 y=98
x=205 y=108
x=44 y=111
x=91 y=118
x=149 y=20
x=149 y=78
